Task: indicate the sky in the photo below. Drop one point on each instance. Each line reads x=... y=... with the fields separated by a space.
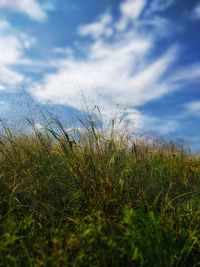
x=139 y=59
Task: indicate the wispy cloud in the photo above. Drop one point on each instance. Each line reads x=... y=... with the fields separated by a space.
x=32 y=8
x=160 y=5
x=13 y=45
x=12 y=53
x=130 y=11
x=4 y=25
x=97 y=29
x=193 y=108
x=196 y=12
x=186 y=75
x=160 y=126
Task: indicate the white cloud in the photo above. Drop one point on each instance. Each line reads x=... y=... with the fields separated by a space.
x=119 y=70
x=134 y=118
x=163 y=127
x=189 y=74
x=49 y=6
x=110 y=69
x=12 y=47
x=160 y=5
x=151 y=83
x=113 y=71
x=105 y=62
x=119 y=75
x=130 y=11
x=159 y=26
x=30 y=7
x=12 y=52
x=64 y=52
x=9 y=77
x=38 y=126
x=4 y=25
x=99 y=28
x=193 y=108
x=138 y=122
x=196 y=12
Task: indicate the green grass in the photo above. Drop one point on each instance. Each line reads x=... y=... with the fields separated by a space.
x=107 y=200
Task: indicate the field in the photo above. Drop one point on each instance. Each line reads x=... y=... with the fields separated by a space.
x=102 y=200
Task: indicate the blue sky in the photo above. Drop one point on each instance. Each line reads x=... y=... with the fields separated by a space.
x=136 y=58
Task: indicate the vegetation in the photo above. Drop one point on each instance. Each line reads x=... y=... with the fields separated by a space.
x=103 y=200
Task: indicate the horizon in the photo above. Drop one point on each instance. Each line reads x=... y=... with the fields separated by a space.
x=132 y=58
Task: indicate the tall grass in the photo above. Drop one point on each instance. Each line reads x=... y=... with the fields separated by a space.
x=96 y=198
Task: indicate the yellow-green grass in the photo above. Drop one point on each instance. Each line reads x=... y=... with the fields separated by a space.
x=104 y=200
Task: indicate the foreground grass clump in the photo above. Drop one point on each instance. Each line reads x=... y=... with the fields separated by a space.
x=103 y=201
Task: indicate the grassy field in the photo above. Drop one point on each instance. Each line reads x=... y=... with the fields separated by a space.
x=106 y=200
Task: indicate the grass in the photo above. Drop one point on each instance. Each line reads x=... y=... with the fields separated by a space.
x=105 y=200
